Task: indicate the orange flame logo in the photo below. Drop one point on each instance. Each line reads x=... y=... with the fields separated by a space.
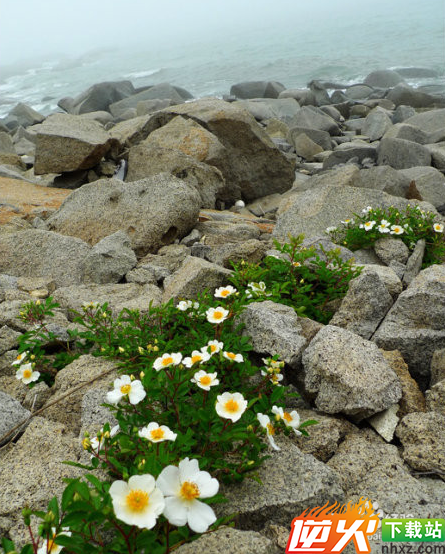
x=330 y=528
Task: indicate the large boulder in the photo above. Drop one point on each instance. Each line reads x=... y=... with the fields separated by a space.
x=344 y=373
x=275 y=329
x=251 y=161
x=306 y=212
x=257 y=89
x=11 y=414
x=38 y=253
x=384 y=178
x=153 y=211
x=383 y=78
x=402 y=154
x=349 y=152
x=98 y=97
x=407 y=132
x=69 y=143
x=403 y=94
x=282 y=490
x=117 y=296
x=163 y=91
x=430 y=183
x=365 y=305
x=322 y=138
x=146 y=160
x=415 y=325
x=314 y=118
x=109 y=260
x=376 y=124
x=431 y=122
x=26 y=116
x=263 y=109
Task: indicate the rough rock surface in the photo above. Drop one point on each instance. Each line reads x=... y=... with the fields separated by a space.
x=347 y=374
x=11 y=413
x=69 y=143
x=422 y=435
x=274 y=329
x=36 y=253
x=153 y=212
x=415 y=324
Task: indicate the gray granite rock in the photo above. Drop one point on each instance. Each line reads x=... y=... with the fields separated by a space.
x=389 y=249
x=435 y=398
x=347 y=374
x=227 y=539
x=11 y=413
x=109 y=260
x=153 y=211
x=402 y=154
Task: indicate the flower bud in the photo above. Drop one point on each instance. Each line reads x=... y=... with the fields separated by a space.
x=141 y=374
x=121 y=350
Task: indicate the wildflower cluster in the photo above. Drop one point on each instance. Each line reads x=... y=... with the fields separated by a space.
x=304 y=278
x=192 y=413
x=409 y=225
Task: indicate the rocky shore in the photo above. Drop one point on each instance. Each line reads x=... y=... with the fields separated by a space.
x=134 y=197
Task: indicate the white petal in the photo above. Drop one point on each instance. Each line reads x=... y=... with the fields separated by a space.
x=175 y=511
x=208 y=486
x=168 y=481
x=142 y=482
x=114 y=396
x=200 y=517
x=188 y=470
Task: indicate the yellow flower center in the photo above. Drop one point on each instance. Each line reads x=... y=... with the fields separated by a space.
x=396 y=229
x=218 y=315
x=189 y=490
x=205 y=380
x=125 y=389
x=167 y=361
x=157 y=434
x=137 y=500
x=270 y=429
x=231 y=406
x=196 y=358
x=287 y=417
x=213 y=348
x=225 y=293
x=231 y=355
x=27 y=373
x=52 y=546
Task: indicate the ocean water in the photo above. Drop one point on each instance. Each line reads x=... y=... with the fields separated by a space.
x=341 y=45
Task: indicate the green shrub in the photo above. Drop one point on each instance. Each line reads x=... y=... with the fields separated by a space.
x=298 y=277
x=409 y=225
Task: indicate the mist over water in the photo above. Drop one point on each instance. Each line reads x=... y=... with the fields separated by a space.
x=206 y=47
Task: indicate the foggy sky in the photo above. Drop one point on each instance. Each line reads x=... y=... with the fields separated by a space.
x=52 y=28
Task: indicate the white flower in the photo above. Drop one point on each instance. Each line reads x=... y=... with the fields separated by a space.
x=274 y=377
x=291 y=419
x=26 y=374
x=330 y=229
x=231 y=405
x=90 y=305
x=214 y=346
x=266 y=424
x=367 y=209
x=224 y=292
x=257 y=288
x=296 y=264
x=275 y=364
x=167 y=360
x=155 y=433
x=197 y=357
x=383 y=227
x=20 y=358
x=217 y=315
x=124 y=386
x=396 y=230
x=368 y=225
x=49 y=546
x=185 y=305
x=138 y=502
x=438 y=228
x=238 y=358
x=96 y=442
x=182 y=486
x=348 y=222
x=205 y=380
